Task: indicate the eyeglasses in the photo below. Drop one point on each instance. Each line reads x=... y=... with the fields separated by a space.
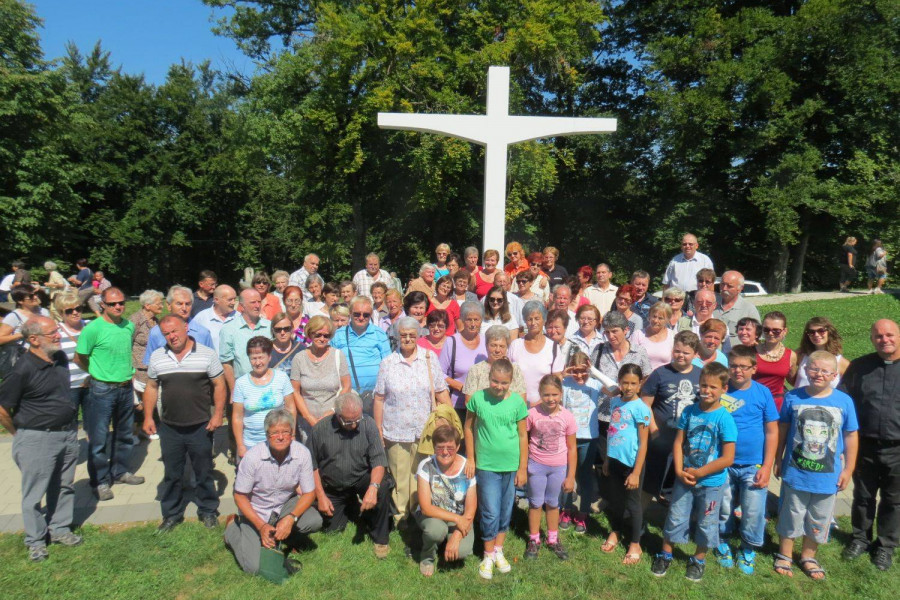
x=361 y=315
x=281 y=329
x=623 y=299
x=70 y=311
x=741 y=368
x=821 y=331
x=114 y=303
x=495 y=300
x=817 y=371
x=443 y=450
x=53 y=333
x=408 y=336
x=587 y=320
x=293 y=301
x=321 y=335
x=280 y=433
x=773 y=330
x=350 y=422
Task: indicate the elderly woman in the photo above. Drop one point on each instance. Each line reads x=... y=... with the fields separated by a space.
x=393 y=301
x=556 y=327
x=675 y=297
x=623 y=303
x=497 y=312
x=712 y=333
x=820 y=334
x=484 y=277
x=339 y=315
x=443 y=300
x=347 y=291
x=379 y=308
x=144 y=321
x=415 y=305
x=535 y=353
x=437 y=323
x=28 y=304
x=496 y=342
x=319 y=373
x=314 y=286
x=256 y=393
x=55 y=281
x=461 y=351
x=515 y=254
x=271 y=304
x=656 y=338
x=424 y=282
x=775 y=363
x=284 y=346
x=280 y=279
x=67 y=313
x=749 y=331
x=442 y=254
x=587 y=337
x=409 y=382
x=461 y=291
x=292 y=296
x=454 y=262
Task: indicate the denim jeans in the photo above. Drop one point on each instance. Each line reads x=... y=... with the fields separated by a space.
x=701 y=501
x=752 y=502
x=496 y=495
x=79 y=395
x=107 y=404
x=585 y=478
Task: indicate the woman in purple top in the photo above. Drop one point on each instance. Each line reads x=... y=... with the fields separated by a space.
x=462 y=350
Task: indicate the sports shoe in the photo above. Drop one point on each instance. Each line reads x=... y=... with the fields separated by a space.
x=38 y=553
x=531 y=549
x=558 y=550
x=883 y=558
x=500 y=561
x=580 y=523
x=724 y=556
x=565 y=520
x=660 y=564
x=695 y=570
x=103 y=492
x=130 y=479
x=486 y=568
x=746 y=559
x=67 y=539
x=856 y=549
x=153 y=436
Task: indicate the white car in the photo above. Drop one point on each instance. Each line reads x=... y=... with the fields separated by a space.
x=751 y=288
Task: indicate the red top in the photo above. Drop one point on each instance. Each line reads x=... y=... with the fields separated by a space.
x=773 y=375
x=452 y=312
x=482 y=287
x=512 y=269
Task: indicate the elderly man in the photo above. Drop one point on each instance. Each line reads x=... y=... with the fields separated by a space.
x=603 y=293
x=104 y=350
x=179 y=300
x=642 y=300
x=424 y=282
x=873 y=381
x=682 y=269
x=734 y=307
x=221 y=312
x=188 y=378
x=704 y=310
x=372 y=273
x=299 y=277
x=365 y=345
x=516 y=304
x=237 y=332
x=274 y=483
x=350 y=471
x=561 y=299
x=203 y=297
x=35 y=408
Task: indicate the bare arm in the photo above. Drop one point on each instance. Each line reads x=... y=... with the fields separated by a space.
x=779 y=451
x=6 y=421
x=237 y=426
x=640 y=459
x=378 y=414
x=761 y=480
x=442 y=397
x=83 y=361
x=469 y=429
x=654 y=428
x=7 y=335
x=229 y=377
x=725 y=460
x=522 y=473
x=219 y=394
x=301 y=407
x=572 y=464
x=151 y=393
x=851 y=447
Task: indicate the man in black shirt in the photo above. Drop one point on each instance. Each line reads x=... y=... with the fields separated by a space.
x=349 y=469
x=35 y=407
x=873 y=381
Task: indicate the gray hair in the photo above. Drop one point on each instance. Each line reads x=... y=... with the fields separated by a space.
x=279 y=416
x=373 y=255
x=615 y=320
x=178 y=289
x=674 y=292
x=408 y=323
x=361 y=300
x=34 y=326
x=471 y=306
x=425 y=267
x=470 y=251
x=533 y=306
x=349 y=400
x=278 y=274
x=562 y=286
x=314 y=278
x=739 y=275
x=496 y=332
x=149 y=297
x=49 y=266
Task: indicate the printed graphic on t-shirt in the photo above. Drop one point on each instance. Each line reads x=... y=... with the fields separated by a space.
x=548 y=433
x=618 y=428
x=265 y=401
x=701 y=448
x=680 y=397
x=815 y=437
x=448 y=493
x=730 y=403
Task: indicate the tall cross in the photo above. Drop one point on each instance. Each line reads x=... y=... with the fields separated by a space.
x=495 y=130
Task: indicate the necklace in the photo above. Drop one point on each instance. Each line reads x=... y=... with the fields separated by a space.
x=773 y=355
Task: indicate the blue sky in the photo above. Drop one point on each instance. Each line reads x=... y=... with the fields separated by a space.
x=143 y=36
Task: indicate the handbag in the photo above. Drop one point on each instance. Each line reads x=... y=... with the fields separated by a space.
x=11 y=352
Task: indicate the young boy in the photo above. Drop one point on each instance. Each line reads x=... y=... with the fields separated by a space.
x=497 y=445
x=753 y=409
x=703 y=449
x=820 y=424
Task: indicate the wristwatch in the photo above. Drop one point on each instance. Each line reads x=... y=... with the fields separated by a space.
x=294 y=517
x=377 y=486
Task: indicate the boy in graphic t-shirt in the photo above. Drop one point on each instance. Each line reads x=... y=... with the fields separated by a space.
x=817 y=426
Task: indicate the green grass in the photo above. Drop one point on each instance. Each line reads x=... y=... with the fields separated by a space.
x=192 y=562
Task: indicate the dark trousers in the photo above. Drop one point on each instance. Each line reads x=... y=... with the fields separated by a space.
x=624 y=508
x=176 y=444
x=107 y=404
x=346 y=506
x=877 y=470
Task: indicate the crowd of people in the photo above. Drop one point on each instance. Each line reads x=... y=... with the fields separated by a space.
x=429 y=410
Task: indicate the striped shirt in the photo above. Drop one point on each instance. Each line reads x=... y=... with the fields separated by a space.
x=185 y=387
x=68 y=339
x=270 y=484
x=345 y=456
x=258 y=400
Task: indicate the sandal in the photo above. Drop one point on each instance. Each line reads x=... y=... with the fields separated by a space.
x=783 y=565
x=632 y=559
x=426 y=568
x=816 y=568
x=609 y=547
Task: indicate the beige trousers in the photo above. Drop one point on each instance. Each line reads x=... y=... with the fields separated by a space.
x=403 y=460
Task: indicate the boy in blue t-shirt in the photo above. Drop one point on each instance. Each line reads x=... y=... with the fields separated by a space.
x=817 y=426
x=703 y=449
x=753 y=409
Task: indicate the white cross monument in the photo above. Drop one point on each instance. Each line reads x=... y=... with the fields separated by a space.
x=495 y=130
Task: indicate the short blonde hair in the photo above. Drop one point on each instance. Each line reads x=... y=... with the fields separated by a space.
x=445 y=247
x=552 y=250
x=662 y=307
x=823 y=355
x=316 y=323
x=62 y=301
x=339 y=308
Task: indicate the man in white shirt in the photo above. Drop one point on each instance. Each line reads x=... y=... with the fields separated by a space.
x=299 y=277
x=603 y=293
x=371 y=274
x=682 y=270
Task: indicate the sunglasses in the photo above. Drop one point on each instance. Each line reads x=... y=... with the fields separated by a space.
x=115 y=303
x=773 y=330
x=822 y=331
x=495 y=300
x=673 y=300
x=362 y=315
x=71 y=311
x=521 y=281
x=321 y=336
x=349 y=423
x=281 y=329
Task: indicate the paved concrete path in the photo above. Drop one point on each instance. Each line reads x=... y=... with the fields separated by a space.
x=809 y=296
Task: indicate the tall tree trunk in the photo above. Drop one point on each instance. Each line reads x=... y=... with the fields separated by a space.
x=778 y=276
x=797 y=259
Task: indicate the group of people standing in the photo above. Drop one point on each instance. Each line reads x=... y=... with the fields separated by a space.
x=426 y=411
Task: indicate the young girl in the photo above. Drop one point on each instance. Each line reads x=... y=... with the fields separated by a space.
x=629 y=428
x=498 y=447
x=580 y=397
x=552 y=456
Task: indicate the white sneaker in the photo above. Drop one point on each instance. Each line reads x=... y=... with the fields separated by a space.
x=486 y=568
x=502 y=564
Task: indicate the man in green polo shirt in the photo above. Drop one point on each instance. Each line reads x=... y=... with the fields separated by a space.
x=104 y=351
